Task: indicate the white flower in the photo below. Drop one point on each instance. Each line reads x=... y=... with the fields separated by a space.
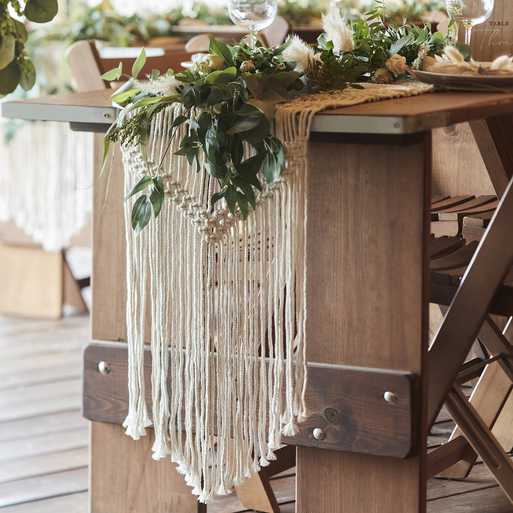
x=337 y=30
x=299 y=52
x=502 y=63
x=164 y=85
x=397 y=65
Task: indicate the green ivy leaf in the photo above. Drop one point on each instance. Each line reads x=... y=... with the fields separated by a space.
x=222 y=50
x=156 y=199
x=139 y=63
x=41 y=11
x=244 y=125
x=222 y=76
x=125 y=96
x=9 y=78
x=142 y=184
x=28 y=75
x=141 y=213
x=113 y=74
x=7 y=50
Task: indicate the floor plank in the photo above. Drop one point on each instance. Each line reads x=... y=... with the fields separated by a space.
x=72 y=503
x=43 y=487
x=50 y=463
x=44 y=444
x=45 y=424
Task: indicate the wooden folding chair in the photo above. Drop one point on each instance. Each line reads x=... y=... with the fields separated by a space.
x=481 y=292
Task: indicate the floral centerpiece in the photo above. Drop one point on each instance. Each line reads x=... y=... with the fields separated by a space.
x=228 y=98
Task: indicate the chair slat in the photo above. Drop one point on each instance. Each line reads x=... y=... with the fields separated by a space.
x=456 y=259
x=450 y=202
x=440 y=246
x=470 y=205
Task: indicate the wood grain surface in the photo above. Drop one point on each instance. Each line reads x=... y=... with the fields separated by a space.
x=367 y=248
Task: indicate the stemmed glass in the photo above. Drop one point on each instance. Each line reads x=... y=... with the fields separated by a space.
x=252 y=15
x=469 y=13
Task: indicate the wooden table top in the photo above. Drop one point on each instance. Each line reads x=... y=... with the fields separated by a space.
x=93 y=111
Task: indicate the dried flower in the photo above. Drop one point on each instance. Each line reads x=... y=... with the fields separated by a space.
x=397 y=65
x=452 y=61
x=301 y=53
x=247 y=66
x=215 y=62
x=503 y=63
x=164 y=85
x=428 y=62
x=451 y=55
x=337 y=30
x=383 y=76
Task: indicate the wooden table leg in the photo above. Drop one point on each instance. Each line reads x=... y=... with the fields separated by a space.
x=124 y=478
x=368 y=227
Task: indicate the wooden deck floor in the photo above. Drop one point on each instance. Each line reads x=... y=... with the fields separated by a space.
x=44 y=440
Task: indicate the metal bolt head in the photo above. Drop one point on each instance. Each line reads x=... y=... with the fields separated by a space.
x=104 y=368
x=390 y=397
x=319 y=434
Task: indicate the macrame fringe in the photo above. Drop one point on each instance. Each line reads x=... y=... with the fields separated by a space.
x=226 y=302
x=46 y=182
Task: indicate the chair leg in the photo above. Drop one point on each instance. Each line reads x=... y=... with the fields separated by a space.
x=256 y=493
x=469 y=308
x=481 y=439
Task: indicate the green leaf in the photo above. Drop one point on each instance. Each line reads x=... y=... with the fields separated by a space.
x=9 y=78
x=243 y=205
x=178 y=121
x=124 y=96
x=28 y=75
x=249 y=193
x=7 y=47
x=114 y=73
x=222 y=76
x=222 y=50
x=139 y=63
x=41 y=11
x=401 y=43
x=215 y=198
x=231 y=197
x=244 y=125
x=21 y=31
x=141 y=213
x=142 y=184
x=156 y=199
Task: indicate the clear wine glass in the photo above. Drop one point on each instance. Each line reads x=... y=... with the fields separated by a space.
x=469 y=13
x=252 y=15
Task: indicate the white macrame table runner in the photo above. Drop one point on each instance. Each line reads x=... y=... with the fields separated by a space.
x=227 y=304
x=46 y=182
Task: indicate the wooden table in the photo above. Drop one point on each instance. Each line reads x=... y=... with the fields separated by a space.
x=368 y=227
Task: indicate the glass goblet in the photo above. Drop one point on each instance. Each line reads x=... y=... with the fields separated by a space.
x=469 y=13
x=252 y=15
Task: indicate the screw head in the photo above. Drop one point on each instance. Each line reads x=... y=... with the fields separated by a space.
x=319 y=434
x=390 y=397
x=104 y=368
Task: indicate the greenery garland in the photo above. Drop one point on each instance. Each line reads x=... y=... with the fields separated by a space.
x=227 y=95
x=15 y=65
